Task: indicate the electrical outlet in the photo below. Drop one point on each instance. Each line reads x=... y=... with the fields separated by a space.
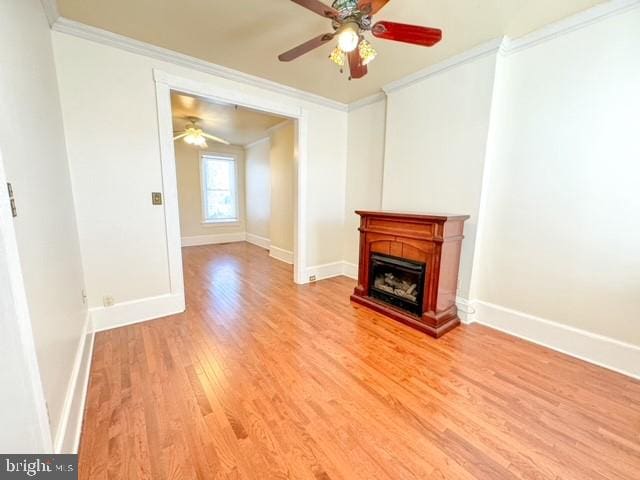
x=83 y=293
x=108 y=301
x=312 y=278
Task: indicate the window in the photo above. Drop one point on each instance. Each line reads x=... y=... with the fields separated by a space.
x=219 y=189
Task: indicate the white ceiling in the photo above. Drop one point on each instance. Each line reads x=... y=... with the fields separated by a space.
x=238 y=125
x=248 y=35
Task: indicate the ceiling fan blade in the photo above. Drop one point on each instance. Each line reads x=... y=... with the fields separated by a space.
x=376 y=5
x=318 y=7
x=215 y=139
x=305 y=47
x=401 y=32
x=179 y=136
x=357 y=69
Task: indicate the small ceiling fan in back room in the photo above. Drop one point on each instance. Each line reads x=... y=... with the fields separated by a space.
x=194 y=135
x=349 y=20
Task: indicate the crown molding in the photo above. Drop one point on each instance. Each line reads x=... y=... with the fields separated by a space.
x=570 y=24
x=370 y=100
x=278 y=126
x=507 y=46
x=104 y=37
x=504 y=46
x=269 y=132
x=87 y=32
x=51 y=11
x=480 y=51
x=256 y=142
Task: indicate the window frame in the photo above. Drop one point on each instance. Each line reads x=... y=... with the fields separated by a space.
x=203 y=188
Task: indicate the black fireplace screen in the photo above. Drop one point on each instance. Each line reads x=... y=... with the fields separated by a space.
x=397 y=282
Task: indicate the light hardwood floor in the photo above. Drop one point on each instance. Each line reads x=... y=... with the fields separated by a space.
x=264 y=379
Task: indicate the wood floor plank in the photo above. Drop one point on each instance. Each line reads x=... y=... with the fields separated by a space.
x=264 y=379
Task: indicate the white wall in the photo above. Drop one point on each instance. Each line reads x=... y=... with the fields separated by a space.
x=326 y=179
x=271 y=187
x=35 y=159
x=367 y=127
x=258 y=192
x=190 y=190
x=281 y=161
x=436 y=142
x=109 y=107
x=562 y=214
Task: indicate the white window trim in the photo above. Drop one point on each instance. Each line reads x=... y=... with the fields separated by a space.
x=203 y=188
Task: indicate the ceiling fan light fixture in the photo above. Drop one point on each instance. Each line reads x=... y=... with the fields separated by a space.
x=349 y=37
x=338 y=57
x=367 y=52
x=349 y=20
x=194 y=137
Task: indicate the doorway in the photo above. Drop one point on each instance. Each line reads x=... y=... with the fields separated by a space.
x=165 y=85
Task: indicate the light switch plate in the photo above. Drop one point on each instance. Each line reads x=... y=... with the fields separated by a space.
x=156 y=198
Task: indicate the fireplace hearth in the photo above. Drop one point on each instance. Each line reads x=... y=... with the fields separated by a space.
x=408 y=268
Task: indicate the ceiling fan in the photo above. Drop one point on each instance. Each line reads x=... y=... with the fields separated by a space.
x=194 y=135
x=350 y=19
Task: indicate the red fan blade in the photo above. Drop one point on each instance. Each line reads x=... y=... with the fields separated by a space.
x=358 y=70
x=400 y=32
x=318 y=7
x=305 y=47
x=376 y=5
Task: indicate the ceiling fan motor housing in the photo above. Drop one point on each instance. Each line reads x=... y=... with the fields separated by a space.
x=345 y=5
x=349 y=11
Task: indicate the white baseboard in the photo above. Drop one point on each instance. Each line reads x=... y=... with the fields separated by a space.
x=593 y=348
x=322 y=272
x=258 y=240
x=213 y=239
x=67 y=439
x=127 y=313
x=330 y=270
x=281 y=254
x=466 y=310
x=350 y=270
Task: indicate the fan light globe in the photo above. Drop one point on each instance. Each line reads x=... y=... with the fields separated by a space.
x=338 y=57
x=195 y=137
x=348 y=38
x=367 y=52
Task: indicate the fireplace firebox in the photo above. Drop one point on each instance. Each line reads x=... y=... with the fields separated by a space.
x=408 y=268
x=397 y=281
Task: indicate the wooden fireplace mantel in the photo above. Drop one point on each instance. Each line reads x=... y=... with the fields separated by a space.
x=435 y=240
